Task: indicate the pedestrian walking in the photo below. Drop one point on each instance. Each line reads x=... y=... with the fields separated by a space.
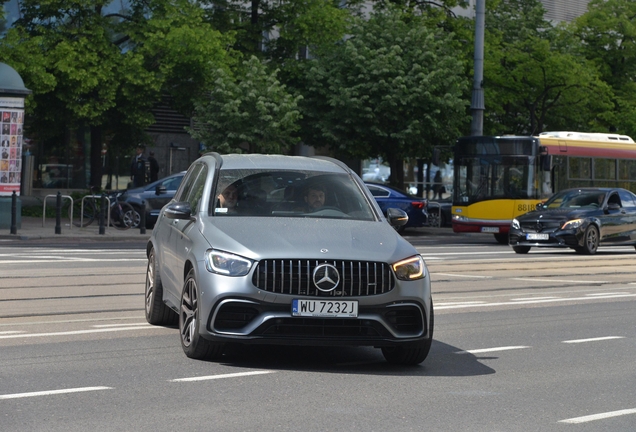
x=138 y=168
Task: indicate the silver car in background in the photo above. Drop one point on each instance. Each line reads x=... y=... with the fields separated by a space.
x=239 y=256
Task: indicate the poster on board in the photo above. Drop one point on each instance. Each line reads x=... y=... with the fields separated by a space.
x=11 y=125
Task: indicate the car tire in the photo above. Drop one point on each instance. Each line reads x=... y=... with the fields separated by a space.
x=590 y=241
x=521 y=249
x=157 y=312
x=501 y=238
x=412 y=354
x=433 y=218
x=194 y=346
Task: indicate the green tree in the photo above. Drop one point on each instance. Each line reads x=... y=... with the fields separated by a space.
x=608 y=33
x=89 y=67
x=393 y=89
x=250 y=112
x=534 y=79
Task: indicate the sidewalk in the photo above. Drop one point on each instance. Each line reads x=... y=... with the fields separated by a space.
x=31 y=229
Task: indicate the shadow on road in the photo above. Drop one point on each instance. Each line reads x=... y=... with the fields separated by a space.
x=443 y=360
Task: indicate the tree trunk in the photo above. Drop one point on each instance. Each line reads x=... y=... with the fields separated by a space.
x=397 y=171
x=96 y=156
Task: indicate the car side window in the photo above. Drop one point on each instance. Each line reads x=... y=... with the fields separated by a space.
x=614 y=199
x=188 y=181
x=196 y=190
x=378 y=192
x=627 y=200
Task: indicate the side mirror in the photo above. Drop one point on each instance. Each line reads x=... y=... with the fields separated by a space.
x=178 y=210
x=160 y=190
x=396 y=217
x=613 y=206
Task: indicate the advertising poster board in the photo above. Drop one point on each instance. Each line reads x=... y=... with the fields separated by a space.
x=11 y=127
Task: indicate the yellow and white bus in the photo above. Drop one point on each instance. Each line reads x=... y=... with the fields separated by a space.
x=497 y=178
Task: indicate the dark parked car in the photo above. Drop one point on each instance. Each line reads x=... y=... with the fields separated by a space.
x=155 y=195
x=440 y=213
x=581 y=219
x=391 y=197
x=243 y=255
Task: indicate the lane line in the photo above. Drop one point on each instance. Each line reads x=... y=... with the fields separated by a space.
x=536 y=301
x=463 y=276
x=11 y=332
x=599 y=416
x=78 y=332
x=609 y=293
x=141 y=324
x=533 y=298
x=561 y=280
x=466 y=303
x=211 y=377
x=574 y=341
x=52 y=392
x=487 y=350
x=66 y=259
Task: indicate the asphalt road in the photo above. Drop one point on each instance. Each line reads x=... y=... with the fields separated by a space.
x=538 y=342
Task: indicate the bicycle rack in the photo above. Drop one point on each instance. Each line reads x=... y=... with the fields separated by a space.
x=63 y=197
x=82 y=209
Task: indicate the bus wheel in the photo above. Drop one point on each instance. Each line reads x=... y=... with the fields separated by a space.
x=501 y=238
x=521 y=249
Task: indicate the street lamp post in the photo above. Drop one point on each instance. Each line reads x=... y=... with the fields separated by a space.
x=477 y=101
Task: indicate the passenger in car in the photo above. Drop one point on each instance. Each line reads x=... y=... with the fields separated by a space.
x=228 y=199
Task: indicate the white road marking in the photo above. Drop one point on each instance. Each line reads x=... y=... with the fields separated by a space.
x=609 y=293
x=573 y=341
x=532 y=298
x=52 y=392
x=562 y=280
x=211 y=377
x=487 y=350
x=142 y=324
x=467 y=303
x=66 y=259
x=10 y=332
x=76 y=332
x=536 y=301
x=463 y=276
x=599 y=416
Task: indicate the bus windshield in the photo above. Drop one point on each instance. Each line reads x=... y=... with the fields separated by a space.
x=486 y=177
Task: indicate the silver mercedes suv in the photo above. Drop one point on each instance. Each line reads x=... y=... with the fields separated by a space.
x=273 y=249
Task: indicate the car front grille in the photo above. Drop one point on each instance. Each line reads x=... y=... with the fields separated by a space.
x=295 y=277
x=540 y=227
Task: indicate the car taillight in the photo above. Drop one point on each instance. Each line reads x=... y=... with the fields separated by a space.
x=417 y=204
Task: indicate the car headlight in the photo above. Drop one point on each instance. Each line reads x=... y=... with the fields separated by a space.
x=572 y=224
x=226 y=263
x=515 y=224
x=410 y=268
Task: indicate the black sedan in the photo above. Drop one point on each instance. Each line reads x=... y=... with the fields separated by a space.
x=153 y=196
x=391 y=197
x=580 y=219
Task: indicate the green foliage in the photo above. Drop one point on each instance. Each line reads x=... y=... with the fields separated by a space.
x=608 y=33
x=393 y=89
x=250 y=112
x=534 y=80
x=87 y=67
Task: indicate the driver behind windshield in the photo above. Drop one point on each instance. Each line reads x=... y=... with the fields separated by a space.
x=314 y=198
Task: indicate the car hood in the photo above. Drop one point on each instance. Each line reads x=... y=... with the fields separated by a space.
x=259 y=238
x=557 y=214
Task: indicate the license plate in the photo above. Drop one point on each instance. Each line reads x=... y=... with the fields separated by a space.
x=490 y=229
x=325 y=308
x=537 y=236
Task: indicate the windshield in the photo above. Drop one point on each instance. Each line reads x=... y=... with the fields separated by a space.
x=257 y=192
x=489 y=177
x=575 y=199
